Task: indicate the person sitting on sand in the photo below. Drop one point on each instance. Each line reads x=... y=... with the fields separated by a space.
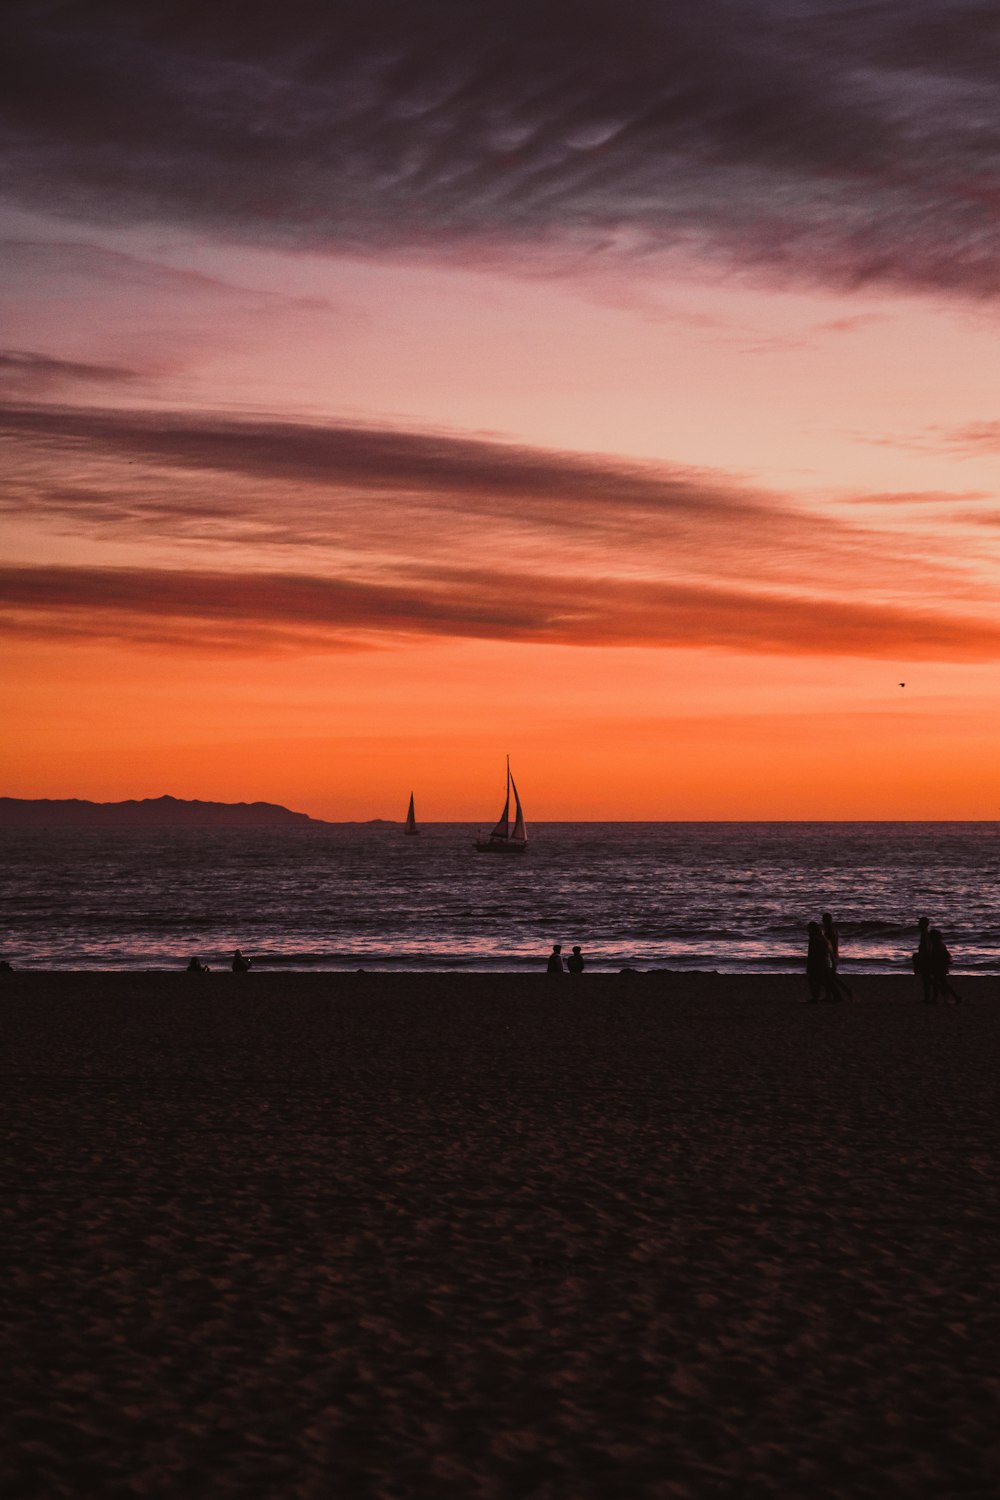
x=240 y=964
x=938 y=964
x=195 y=966
x=819 y=974
x=922 y=958
x=555 y=963
x=832 y=935
x=575 y=961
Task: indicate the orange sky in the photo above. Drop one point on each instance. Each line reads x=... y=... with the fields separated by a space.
x=316 y=507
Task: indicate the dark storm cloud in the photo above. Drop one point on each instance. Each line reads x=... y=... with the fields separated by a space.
x=843 y=142
x=266 y=611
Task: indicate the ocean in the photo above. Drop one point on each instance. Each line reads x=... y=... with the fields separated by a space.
x=734 y=897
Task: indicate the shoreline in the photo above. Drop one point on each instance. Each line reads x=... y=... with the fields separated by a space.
x=678 y=983
x=271 y=969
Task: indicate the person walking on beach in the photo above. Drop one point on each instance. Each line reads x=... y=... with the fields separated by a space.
x=240 y=964
x=922 y=958
x=819 y=974
x=832 y=935
x=555 y=963
x=938 y=964
x=575 y=963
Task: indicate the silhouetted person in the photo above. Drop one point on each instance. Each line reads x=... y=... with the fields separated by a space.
x=240 y=964
x=575 y=961
x=5 y=967
x=832 y=935
x=938 y=964
x=922 y=958
x=555 y=963
x=819 y=974
x=195 y=966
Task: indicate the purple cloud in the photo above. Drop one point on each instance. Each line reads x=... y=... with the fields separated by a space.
x=414 y=497
x=24 y=373
x=835 y=142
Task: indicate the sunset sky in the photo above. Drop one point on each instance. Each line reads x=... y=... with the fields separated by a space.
x=388 y=387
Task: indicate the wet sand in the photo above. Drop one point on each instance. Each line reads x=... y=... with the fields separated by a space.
x=499 y=1236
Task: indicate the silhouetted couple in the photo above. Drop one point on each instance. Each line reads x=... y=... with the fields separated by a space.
x=931 y=964
x=574 y=963
x=822 y=960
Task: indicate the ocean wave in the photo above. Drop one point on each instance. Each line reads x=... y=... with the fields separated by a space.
x=633 y=895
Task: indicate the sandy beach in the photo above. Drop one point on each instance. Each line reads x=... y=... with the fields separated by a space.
x=499 y=1236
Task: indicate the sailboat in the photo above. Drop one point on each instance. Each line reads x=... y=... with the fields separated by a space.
x=411 y=822
x=502 y=840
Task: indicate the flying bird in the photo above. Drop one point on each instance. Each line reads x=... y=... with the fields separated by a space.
x=902 y=684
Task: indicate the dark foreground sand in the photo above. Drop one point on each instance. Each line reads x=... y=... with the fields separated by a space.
x=462 y=1236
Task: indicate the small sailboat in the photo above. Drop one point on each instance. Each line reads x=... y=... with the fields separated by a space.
x=502 y=840
x=411 y=822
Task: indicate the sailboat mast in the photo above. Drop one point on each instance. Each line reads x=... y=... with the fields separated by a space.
x=501 y=838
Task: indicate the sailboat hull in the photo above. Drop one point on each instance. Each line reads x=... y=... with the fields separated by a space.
x=502 y=840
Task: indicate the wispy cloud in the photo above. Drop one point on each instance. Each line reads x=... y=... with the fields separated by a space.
x=836 y=142
x=268 y=611
x=339 y=534
x=26 y=374
x=970 y=440
x=67 y=264
x=850 y=324
x=377 y=497
x=879 y=499
x=976 y=439
x=309 y=452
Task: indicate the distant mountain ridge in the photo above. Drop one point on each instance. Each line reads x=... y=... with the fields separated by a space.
x=151 y=812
